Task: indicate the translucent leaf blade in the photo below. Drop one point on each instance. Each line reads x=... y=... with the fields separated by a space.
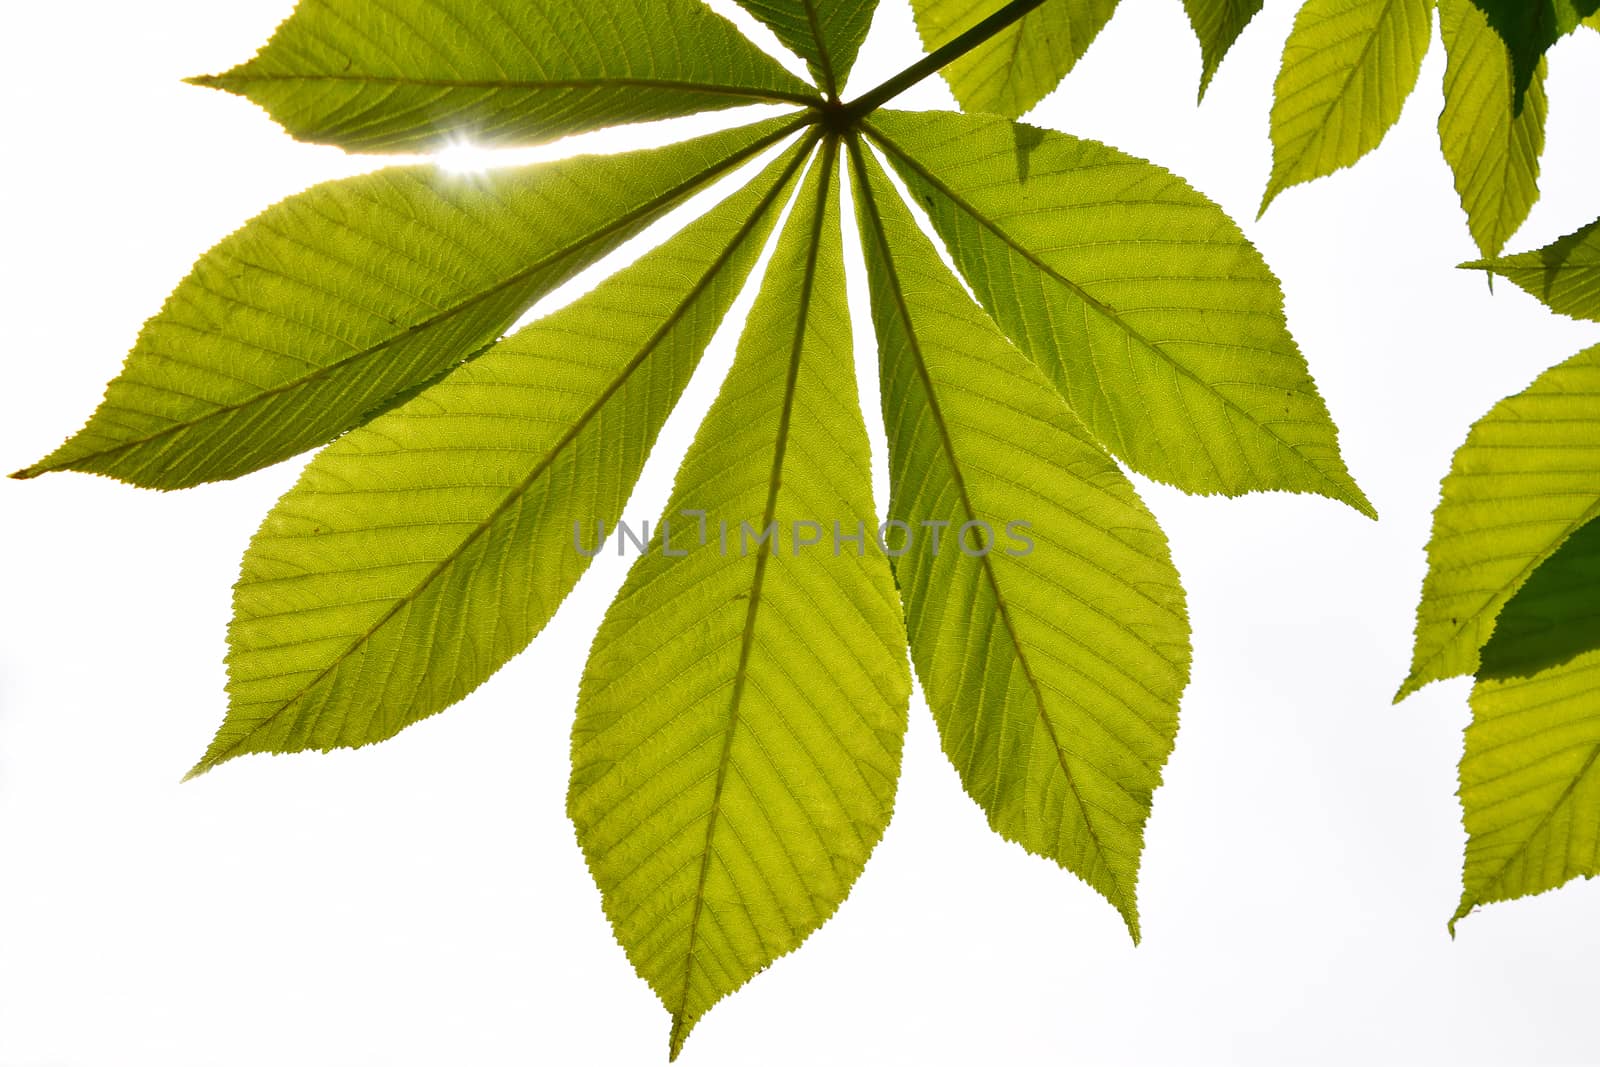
x=1217 y=24
x=1564 y=275
x=316 y=313
x=1053 y=673
x=827 y=34
x=1348 y=67
x=739 y=723
x=1020 y=65
x=393 y=76
x=1526 y=479
x=1493 y=152
x=1138 y=297
x=1528 y=28
x=418 y=553
x=1530 y=784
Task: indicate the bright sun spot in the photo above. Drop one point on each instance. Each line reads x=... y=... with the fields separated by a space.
x=464 y=157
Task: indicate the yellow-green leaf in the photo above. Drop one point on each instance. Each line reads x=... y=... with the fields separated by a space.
x=737 y=745
x=327 y=306
x=1564 y=275
x=1347 y=69
x=1015 y=69
x=1217 y=24
x=408 y=75
x=1048 y=627
x=1137 y=296
x=1530 y=784
x=827 y=33
x=1492 y=151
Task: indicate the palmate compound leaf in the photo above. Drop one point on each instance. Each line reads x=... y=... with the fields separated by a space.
x=1017 y=67
x=1217 y=24
x=1138 y=297
x=827 y=33
x=1493 y=153
x=420 y=552
x=1053 y=653
x=739 y=723
x=1564 y=275
x=403 y=75
x=1530 y=783
x=1527 y=478
x=328 y=305
x=1528 y=28
x=1348 y=67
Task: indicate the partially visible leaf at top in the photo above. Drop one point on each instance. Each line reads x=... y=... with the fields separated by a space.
x=1217 y=24
x=406 y=75
x=826 y=33
x=1017 y=67
x=1348 y=67
x=1493 y=151
x=328 y=305
x=1047 y=623
x=1555 y=616
x=1564 y=274
x=1529 y=28
x=1137 y=296
x=1527 y=478
x=737 y=745
x=1530 y=784
x=420 y=552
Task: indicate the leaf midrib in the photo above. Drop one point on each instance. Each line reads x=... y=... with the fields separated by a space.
x=747 y=637
x=1103 y=309
x=228 y=80
x=573 y=247
x=986 y=563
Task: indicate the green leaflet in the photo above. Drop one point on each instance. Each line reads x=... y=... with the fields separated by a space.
x=1564 y=274
x=1347 y=69
x=419 y=553
x=404 y=75
x=320 y=310
x=1054 y=674
x=1017 y=67
x=826 y=33
x=1530 y=784
x=1528 y=29
x=1554 y=616
x=1526 y=479
x=1217 y=24
x=1493 y=153
x=739 y=724
x=1137 y=296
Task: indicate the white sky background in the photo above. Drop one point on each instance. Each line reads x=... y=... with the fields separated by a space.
x=424 y=901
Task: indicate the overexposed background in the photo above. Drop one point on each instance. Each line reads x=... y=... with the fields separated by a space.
x=424 y=901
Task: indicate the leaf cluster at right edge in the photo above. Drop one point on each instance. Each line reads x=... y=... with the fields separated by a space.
x=1512 y=596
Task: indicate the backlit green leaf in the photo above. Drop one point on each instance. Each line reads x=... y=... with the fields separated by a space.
x=1347 y=69
x=327 y=305
x=739 y=722
x=1527 y=478
x=1137 y=296
x=1493 y=154
x=1554 y=616
x=1564 y=274
x=1217 y=24
x=1048 y=628
x=1015 y=69
x=406 y=75
x=1529 y=28
x=827 y=33
x=1530 y=784
x=419 y=553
